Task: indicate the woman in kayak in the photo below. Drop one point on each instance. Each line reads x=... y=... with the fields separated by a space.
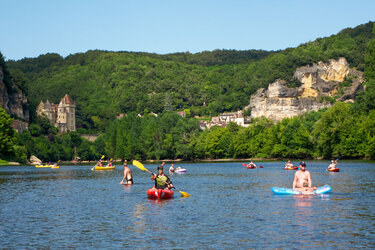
x=302 y=180
x=162 y=181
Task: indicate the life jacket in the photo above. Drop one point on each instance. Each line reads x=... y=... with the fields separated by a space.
x=160 y=181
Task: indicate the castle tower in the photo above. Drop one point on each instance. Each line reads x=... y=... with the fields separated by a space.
x=66 y=115
x=47 y=110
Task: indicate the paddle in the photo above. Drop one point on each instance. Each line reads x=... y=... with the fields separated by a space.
x=93 y=168
x=141 y=167
x=245 y=165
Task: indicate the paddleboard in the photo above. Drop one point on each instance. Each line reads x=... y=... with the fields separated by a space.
x=281 y=190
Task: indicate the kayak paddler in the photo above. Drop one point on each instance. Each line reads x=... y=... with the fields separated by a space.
x=162 y=181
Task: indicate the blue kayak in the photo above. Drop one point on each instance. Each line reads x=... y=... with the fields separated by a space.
x=320 y=190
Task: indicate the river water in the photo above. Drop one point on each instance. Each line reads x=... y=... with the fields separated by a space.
x=229 y=207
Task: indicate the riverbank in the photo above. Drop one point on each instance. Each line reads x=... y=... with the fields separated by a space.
x=8 y=163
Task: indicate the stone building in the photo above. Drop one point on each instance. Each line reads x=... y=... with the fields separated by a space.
x=62 y=115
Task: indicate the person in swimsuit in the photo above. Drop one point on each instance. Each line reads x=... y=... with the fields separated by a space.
x=127 y=175
x=302 y=180
x=171 y=169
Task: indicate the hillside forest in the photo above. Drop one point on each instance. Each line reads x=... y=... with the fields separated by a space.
x=104 y=84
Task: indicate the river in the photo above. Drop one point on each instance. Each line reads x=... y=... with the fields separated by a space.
x=229 y=207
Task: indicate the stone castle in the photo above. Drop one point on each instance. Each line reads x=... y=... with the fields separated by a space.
x=62 y=115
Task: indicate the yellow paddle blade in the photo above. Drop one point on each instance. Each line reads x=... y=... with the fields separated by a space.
x=139 y=165
x=184 y=194
x=102 y=157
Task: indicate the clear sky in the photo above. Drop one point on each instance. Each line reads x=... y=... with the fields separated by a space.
x=33 y=27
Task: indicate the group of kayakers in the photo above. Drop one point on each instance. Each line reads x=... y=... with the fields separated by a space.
x=302 y=178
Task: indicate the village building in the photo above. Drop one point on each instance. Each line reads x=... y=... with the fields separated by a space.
x=223 y=119
x=62 y=115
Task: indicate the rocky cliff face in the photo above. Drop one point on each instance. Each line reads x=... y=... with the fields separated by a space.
x=319 y=83
x=13 y=100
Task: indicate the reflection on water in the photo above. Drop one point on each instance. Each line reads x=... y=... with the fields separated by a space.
x=229 y=207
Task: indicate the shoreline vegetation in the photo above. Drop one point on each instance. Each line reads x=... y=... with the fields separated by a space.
x=119 y=162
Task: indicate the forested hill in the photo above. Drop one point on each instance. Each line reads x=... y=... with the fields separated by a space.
x=104 y=84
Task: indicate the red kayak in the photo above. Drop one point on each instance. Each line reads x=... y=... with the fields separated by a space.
x=333 y=170
x=159 y=194
x=291 y=168
x=251 y=167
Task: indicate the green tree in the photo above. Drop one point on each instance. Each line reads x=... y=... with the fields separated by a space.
x=7 y=133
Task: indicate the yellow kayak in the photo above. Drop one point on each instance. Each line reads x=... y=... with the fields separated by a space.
x=42 y=166
x=46 y=166
x=104 y=168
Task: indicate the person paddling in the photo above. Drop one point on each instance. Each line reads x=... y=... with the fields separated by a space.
x=332 y=165
x=251 y=165
x=302 y=180
x=162 y=181
x=289 y=164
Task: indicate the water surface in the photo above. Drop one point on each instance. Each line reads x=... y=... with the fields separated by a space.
x=230 y=206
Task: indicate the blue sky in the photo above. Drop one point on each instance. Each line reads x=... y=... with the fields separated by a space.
x=34 y=27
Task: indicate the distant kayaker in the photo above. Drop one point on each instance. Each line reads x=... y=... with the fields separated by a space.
x=162 y=181
x=332 y=165
x=289 y=164
x=302 y=180
x=128 y=176
x=109 y=163
x=251 y=165
x=171 y=169
x=100 y=164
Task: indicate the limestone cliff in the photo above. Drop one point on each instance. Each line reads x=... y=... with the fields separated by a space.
x=319 y=83
x=13 y=100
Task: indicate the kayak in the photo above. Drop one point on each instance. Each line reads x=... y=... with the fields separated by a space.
x=153 y=193
x=180 y=170
x=291 y=168
x=251 y=167
x=43 y=166
x=333 y=170
x=55 y=166
x=320 y=190
x=104 y=168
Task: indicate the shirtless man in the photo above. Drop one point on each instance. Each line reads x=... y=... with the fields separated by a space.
x=127 y=175
x=302 y=180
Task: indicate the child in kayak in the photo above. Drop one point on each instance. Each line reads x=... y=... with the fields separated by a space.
x=162 y=181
